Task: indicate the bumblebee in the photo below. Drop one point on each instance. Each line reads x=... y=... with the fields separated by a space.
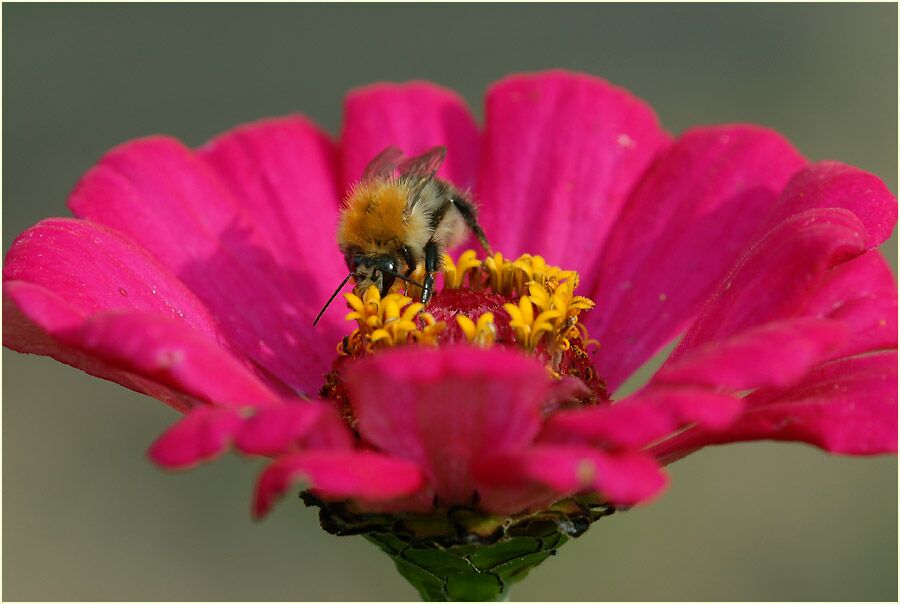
x=400 y=217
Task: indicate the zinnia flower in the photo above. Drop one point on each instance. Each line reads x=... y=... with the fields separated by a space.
x=472 y=437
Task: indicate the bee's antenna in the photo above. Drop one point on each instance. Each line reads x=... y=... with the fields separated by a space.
x=327 y=304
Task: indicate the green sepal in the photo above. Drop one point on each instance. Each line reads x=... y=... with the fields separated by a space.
x=466 y=572
x=459 y=554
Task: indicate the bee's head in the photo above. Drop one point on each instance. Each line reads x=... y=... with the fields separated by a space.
x=380 y=270
x=367 y=270
x=377 y=270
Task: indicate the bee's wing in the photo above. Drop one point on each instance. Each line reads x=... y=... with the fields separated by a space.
x=384 y=164
x=423 y=166
x=420 y=170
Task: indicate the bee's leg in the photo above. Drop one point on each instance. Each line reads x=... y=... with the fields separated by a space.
x=409 y=260
x=431 y=262
x=467 y=211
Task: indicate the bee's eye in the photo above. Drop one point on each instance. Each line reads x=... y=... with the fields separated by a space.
x=353 y=261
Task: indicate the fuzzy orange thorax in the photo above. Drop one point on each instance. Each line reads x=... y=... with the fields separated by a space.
x=374 y=217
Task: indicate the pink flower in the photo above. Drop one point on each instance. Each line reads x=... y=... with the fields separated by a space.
x=194 y=275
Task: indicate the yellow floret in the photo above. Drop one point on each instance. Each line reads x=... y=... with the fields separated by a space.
x=389 y=321
x=528 y=328
x=481 y=333
x=456 y=272
x=551 y=292
x=547 y=311
x=428 y=335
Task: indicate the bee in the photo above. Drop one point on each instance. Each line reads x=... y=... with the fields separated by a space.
x=400 y=217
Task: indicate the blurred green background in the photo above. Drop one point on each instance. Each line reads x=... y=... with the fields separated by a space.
x=85 y=516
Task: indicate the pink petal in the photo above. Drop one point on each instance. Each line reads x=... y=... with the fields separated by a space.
x=203 y=434
x=77 y=270
x=26 y=302
x=95 y=269
x=848 y=406
x=562 y=151
x=162 y=349
x=284 y=172
x=862 y=294
x=622 y=479
x=364 y=476
x=773 y=354
x=279 y=429
x=565 y=390
x=414 y=116
x=642 y=418
x=147 y=345
x=682 y=228
x=831 y=184
x=776 y=276
x=162 y=196
x=444 y=408
x=46 y=312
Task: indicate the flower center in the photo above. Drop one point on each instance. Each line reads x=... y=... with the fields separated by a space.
x=523 y=303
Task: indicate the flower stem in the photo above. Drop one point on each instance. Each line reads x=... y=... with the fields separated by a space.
x=467 y=572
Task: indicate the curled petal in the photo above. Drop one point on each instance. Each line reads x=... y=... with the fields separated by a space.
x=559 y=470
x=775 y=277
x=831 y=184
x=363 y=476
x=444 y=408
x=277 y=429
x=862 y=294
x=774 y=354
x=642 y=418
x=203 y=434
x=206 y=432
x=847 y=406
